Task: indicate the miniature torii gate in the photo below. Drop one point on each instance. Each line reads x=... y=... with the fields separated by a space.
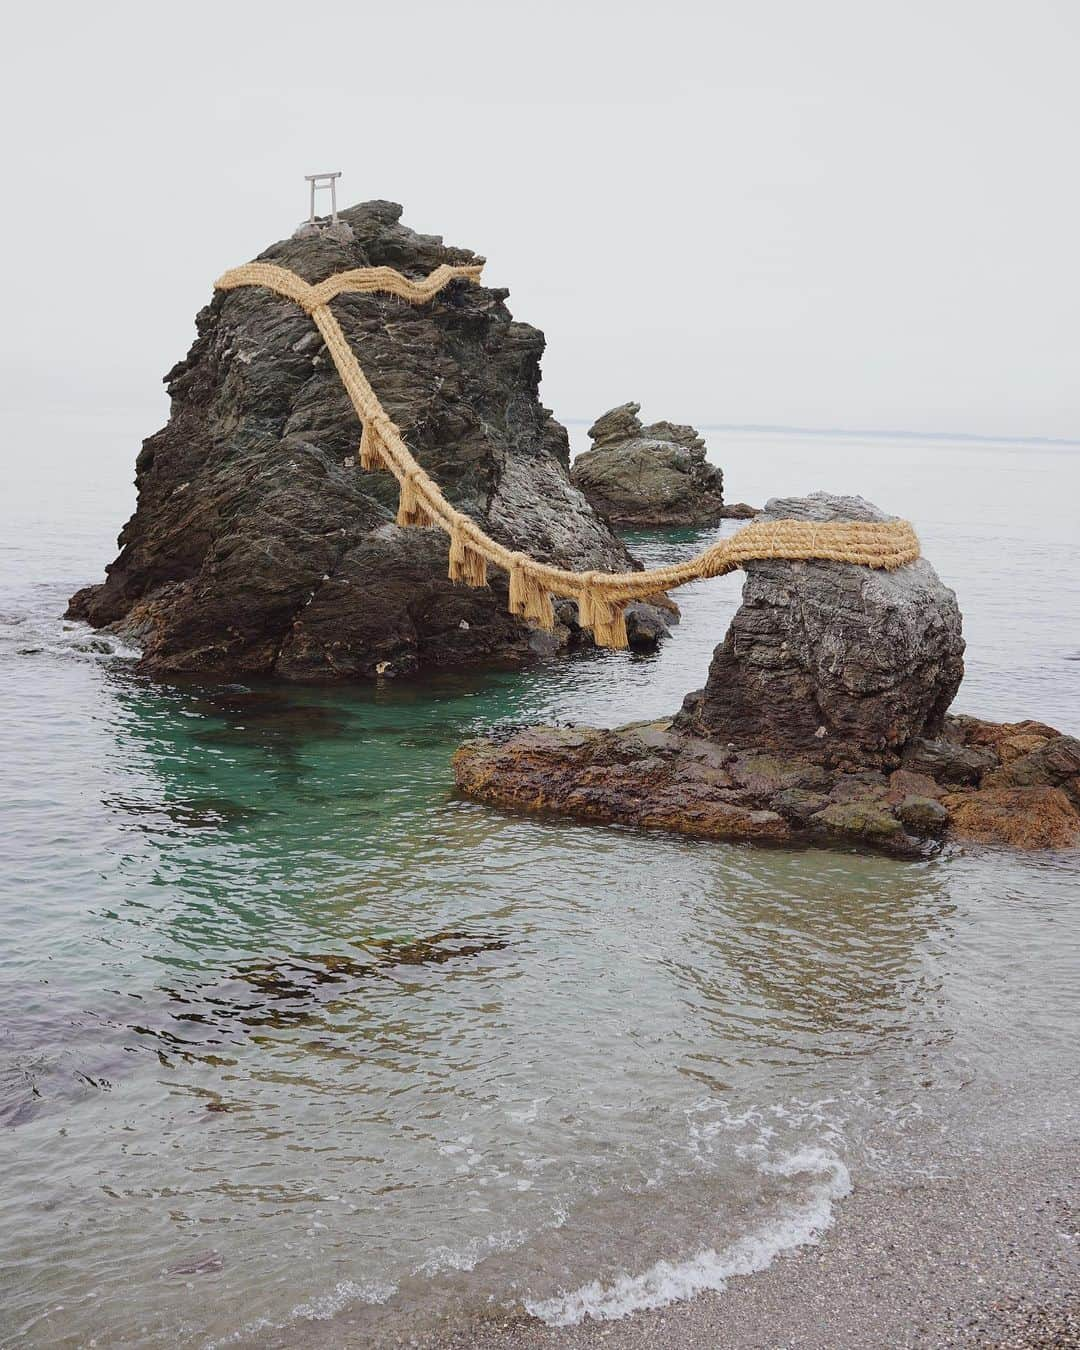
x=319 y=182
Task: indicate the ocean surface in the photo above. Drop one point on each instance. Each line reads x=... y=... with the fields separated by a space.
x=297 y=1048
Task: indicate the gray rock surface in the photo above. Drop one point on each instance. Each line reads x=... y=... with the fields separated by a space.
x=259 y=547
x=836 y=661
x=649 y=476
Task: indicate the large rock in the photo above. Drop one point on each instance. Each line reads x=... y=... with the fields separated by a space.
x=650 y=476
x=839 y=662
x=258 y=546
x=824 y=718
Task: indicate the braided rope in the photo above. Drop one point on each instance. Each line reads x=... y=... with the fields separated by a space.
x=600 y=595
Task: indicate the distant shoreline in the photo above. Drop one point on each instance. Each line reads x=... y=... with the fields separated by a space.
x=876 y=433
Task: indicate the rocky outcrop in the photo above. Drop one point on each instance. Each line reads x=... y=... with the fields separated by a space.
x=834 y=661
x=824 y=718
x=259 y=547
x=644 y=477
x=659 y=776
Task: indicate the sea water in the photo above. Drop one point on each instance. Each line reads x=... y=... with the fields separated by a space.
x=296 y=1046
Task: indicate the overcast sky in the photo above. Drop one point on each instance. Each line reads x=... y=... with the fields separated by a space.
x=823 y=213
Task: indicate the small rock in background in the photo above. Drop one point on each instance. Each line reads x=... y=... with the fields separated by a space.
x=643 y=477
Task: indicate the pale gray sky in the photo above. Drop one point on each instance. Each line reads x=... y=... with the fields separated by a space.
x=847 y=213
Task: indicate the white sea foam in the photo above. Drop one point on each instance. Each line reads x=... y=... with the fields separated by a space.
x=671 y=1282
x=36 y=635
x=469 y=1256
x=324 y=1307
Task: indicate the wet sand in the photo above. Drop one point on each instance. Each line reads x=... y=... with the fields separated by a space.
x=986 y=1256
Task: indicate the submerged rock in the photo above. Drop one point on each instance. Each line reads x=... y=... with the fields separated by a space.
x=832 y=660
x=824 y=718
x=259 y=547
x=650 y=476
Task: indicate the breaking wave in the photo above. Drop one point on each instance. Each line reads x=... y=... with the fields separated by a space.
x=669 y=1282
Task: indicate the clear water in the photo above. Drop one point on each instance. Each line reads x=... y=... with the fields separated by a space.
x=297 y=1047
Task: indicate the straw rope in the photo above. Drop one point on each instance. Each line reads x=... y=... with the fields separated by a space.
x=600 y=596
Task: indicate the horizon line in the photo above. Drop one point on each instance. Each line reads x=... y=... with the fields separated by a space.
x=880 y=432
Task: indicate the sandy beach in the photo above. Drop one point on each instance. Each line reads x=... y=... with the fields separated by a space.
x=988 y=1256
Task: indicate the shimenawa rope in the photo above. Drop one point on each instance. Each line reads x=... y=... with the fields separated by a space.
x=600 y=596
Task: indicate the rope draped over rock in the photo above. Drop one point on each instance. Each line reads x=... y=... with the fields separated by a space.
x=600 y=596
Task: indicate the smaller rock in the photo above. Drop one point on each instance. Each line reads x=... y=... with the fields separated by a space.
x=646 y=626
x=646 y=477
x=1016 y=747
x=1055 y=763
x=946 y=761
x=798 y=805
x=840 y=663
x=904 y=783
x=923 y=815
x=1022 y=817
x=865 y=821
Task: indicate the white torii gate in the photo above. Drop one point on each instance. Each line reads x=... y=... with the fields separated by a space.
x=320 y=182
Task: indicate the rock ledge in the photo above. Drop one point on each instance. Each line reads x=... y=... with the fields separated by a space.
x=653 y=775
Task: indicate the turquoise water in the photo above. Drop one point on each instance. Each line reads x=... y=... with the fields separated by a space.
x=297 y=1046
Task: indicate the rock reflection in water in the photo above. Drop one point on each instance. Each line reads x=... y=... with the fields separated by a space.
x=192 y=813
x=89 y=1050
x=805 y=960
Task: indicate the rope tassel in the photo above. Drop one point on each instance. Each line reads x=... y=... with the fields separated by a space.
x=371 y=456
x=609 y=626
x=528 y=597
x=466 y=565
x=411 y=510
x=586 y=606
x=604 y=616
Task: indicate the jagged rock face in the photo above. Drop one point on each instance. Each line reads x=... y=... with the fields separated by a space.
x=649 y=476
x=257 y=549
x=836 y=661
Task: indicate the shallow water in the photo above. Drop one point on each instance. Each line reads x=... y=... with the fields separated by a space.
x=297 y=1045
